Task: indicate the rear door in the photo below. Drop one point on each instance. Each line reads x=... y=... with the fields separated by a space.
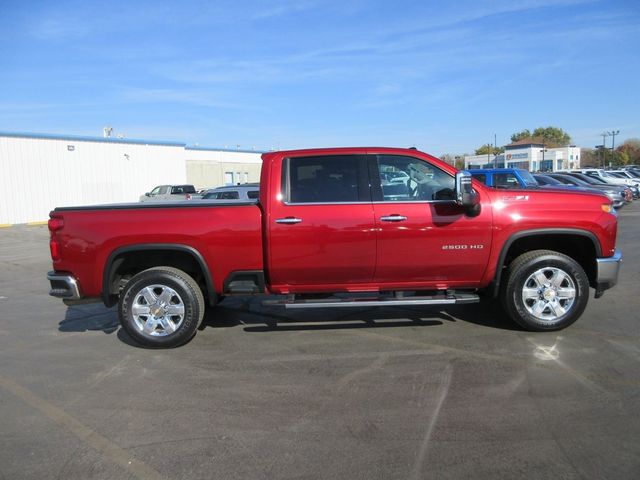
x=321 y=230
x=424 y=238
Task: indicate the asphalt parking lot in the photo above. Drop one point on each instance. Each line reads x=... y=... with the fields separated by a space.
x=368 y=393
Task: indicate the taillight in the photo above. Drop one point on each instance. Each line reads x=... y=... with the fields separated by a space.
x=55 y=224
x=54 y=246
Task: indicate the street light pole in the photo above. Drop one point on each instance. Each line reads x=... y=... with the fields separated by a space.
x=613 y=140
x=604 y=146
x=542 y=163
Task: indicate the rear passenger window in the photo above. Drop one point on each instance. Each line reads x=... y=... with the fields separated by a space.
x=324 y=179
x=505 y=180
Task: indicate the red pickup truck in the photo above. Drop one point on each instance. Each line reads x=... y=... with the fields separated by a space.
x=340 y=227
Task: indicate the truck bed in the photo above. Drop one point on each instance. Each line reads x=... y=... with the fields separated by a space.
x=227 y=236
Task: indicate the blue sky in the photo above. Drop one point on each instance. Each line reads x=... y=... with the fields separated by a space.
x=444 y=76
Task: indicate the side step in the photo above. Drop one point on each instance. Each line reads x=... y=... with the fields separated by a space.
x=377 y=301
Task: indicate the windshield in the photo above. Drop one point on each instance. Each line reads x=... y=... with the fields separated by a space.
x=546 y=180
x=528 y=179
x=589 y=179
x=579 y=181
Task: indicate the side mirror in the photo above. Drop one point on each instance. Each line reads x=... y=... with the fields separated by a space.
x=466 y=196
x=147 y=194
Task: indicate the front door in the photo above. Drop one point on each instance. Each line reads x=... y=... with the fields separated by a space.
x=321 y=232
x=424 y=238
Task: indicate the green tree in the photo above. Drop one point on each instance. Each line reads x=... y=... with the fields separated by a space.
x=552 y=136
x=590 y=158
x=487 y=148
x=631 y=148
x=516 y=137
x=622 y=158
x=549 y=136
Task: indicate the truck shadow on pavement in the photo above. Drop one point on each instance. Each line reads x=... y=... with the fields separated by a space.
x=249 y=312
x=255 y=318
x=90 y=317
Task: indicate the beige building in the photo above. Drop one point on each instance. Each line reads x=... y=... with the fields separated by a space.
x=211 y=167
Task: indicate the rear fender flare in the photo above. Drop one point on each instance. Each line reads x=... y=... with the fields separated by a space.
x=195 y=254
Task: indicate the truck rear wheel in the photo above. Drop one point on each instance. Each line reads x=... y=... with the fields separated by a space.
x=161 y=307
x=545 y=290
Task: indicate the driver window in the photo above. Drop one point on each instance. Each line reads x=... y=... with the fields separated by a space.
x=408 y=179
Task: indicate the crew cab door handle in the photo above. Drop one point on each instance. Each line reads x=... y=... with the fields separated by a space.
x=289 y=220
x=393 y=218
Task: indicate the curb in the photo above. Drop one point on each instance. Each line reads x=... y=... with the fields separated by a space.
x=28 y=224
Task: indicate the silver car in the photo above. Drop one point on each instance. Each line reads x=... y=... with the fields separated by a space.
x=248 y=192
x=167 y=193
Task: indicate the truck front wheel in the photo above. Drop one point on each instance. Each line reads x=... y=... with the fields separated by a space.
x=545 y=290
x=161 y=307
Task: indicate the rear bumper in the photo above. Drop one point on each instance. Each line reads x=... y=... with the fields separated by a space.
x=607 y=272
x=64 y=286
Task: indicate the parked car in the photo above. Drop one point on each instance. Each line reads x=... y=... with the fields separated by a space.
x=627 y=175
x=505 y=177
x=391 y=177
x=613 y=192
x=609 y=178
x=632 y=172
x=165 y=193
x=627 y=192
x=244 y=192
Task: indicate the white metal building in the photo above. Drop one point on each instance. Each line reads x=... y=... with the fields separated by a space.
x=529 y=156
x=41 y=172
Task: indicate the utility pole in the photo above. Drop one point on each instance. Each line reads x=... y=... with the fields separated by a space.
x=604 y=146
x=613 y=140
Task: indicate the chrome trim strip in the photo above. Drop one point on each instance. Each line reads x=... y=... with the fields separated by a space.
x=370 y=303
x=71 y=290
x=388 y=202
x=395 y=202
x=300 y=204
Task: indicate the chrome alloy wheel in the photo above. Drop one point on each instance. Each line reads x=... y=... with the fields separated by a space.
x=157 y=310
x=548 y=293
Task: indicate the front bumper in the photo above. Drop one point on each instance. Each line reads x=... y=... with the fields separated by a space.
x=607 y=270
x=64 y=286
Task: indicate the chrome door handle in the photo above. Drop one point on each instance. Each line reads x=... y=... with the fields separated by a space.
x=393 y=218
x=289 y=220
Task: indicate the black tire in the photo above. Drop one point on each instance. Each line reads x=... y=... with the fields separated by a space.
x=537 y=291
x=148 y=301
